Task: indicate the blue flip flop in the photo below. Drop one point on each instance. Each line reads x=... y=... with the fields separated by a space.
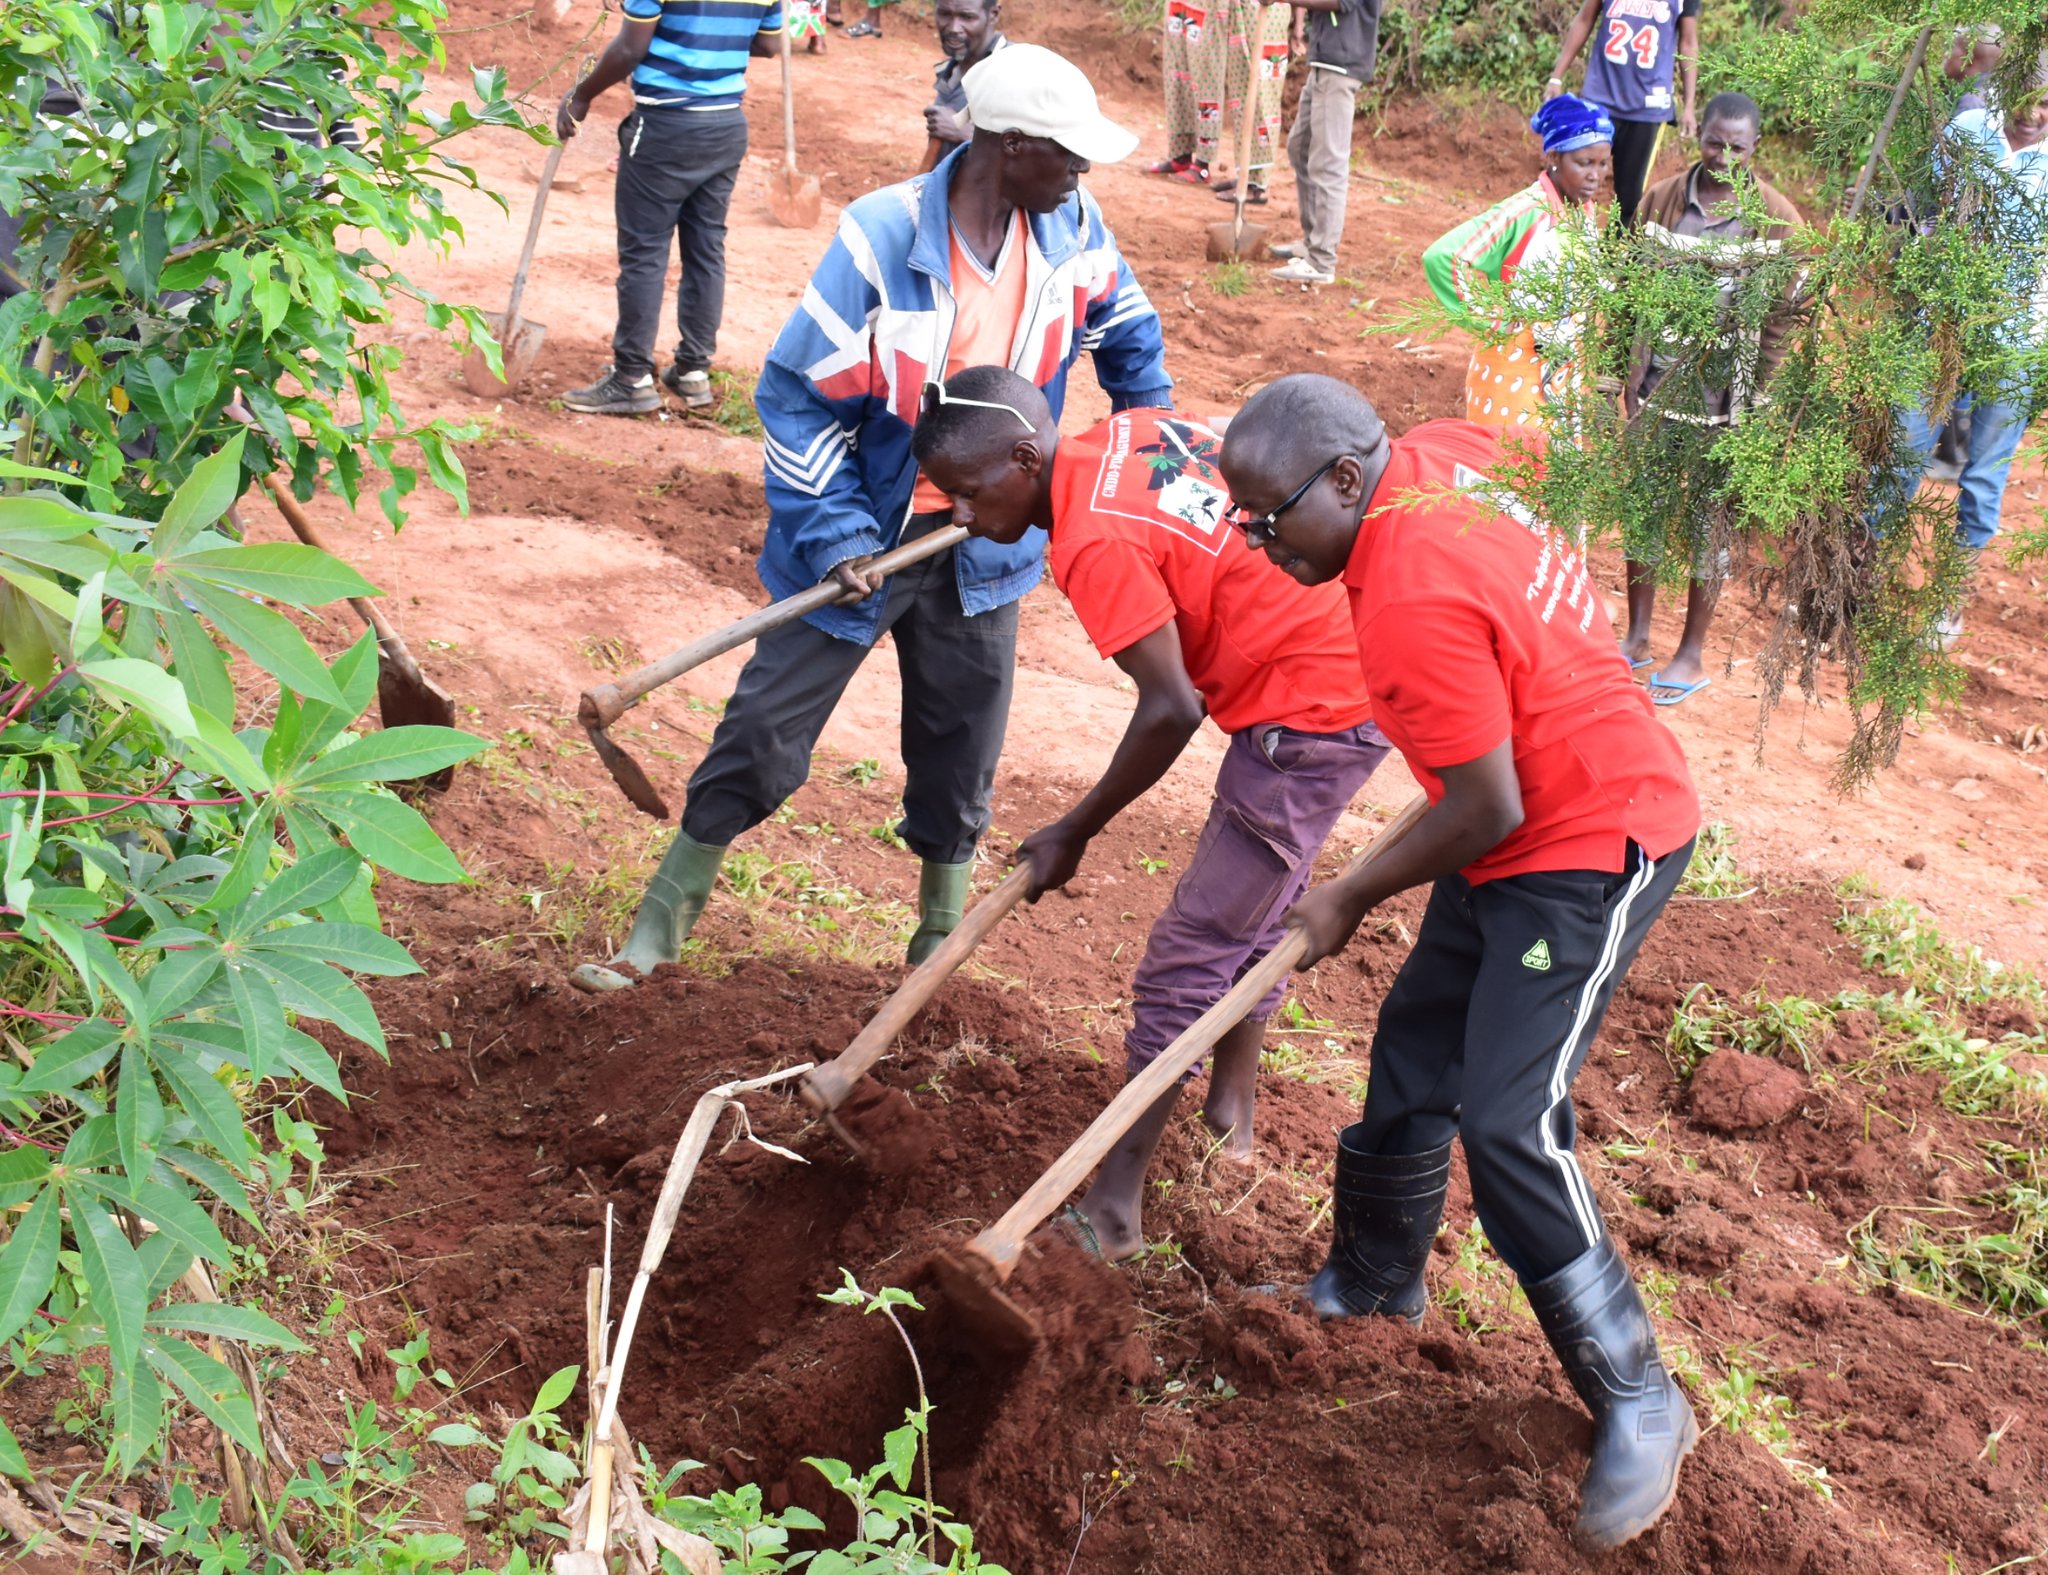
x=1638 y=666
x=1683 y=692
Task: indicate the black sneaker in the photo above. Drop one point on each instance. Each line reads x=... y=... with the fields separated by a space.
x=613 y=395
x=692 y=388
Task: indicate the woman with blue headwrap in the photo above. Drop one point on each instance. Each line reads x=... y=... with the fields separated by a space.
x=1507 y=384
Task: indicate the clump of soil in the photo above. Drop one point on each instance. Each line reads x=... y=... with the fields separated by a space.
x=1733 y=1092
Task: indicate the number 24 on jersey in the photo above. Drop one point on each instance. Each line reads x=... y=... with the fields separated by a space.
x=1621 y=39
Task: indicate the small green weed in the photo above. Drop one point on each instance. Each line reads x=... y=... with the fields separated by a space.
x=1742 y=1401
x=1231 y=279
x=1713 y=874
x=1757 y=1024
x=2005 y=1270
x=1899 y=941
x=732 y=405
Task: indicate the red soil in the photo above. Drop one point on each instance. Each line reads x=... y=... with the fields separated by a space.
x=1379 y=1447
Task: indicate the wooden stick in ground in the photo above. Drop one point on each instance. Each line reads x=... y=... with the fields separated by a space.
x=826 y=1088
x=973 y=1276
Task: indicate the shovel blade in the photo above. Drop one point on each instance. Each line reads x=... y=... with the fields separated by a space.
x=626 y=772
x=981 y=1307
x=517 y=353
x=412 y=699
x=1226 y=241
x=793 y=199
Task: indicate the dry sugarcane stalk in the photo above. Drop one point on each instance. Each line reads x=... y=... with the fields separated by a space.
x=608 y=1377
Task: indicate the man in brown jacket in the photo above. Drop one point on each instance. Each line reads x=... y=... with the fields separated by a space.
x=1697 y=213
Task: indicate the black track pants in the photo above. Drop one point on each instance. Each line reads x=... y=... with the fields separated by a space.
x=1487 y=1024
x=957 y=675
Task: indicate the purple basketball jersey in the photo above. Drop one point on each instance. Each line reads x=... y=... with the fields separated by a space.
x=1631 y=56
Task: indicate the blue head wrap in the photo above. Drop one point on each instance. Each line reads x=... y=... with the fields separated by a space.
x=1568 y=121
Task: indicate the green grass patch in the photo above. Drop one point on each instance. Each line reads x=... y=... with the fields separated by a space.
x=1231 y=279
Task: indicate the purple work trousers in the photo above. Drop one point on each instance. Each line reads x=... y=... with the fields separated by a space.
x=1277 y=795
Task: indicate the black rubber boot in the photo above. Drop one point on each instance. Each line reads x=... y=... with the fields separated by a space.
x=1387 y=1208
x=1642 y=1426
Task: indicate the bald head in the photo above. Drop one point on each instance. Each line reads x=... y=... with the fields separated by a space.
x=1301 y=459
x=977 y=417
x=1301 y=420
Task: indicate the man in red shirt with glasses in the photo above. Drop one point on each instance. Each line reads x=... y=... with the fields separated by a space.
x=1143 y=548
x=1561 y=819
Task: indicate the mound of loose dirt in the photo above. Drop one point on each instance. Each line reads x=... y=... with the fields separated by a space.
x=1174 y=1419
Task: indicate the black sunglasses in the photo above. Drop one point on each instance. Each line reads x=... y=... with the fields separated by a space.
x=1258 y=528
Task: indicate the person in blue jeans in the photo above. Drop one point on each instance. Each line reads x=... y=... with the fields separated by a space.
x=2009 y=154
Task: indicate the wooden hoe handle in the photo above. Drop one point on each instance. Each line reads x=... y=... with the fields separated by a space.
x=826 y=1087
x=1002 y=1241
x=606 y=703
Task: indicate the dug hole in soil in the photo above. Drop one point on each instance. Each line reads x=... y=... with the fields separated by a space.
x=1173 y=1421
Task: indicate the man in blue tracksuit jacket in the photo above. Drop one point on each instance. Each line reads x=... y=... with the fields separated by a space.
x=996 y=246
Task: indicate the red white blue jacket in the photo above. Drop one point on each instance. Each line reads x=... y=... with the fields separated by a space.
x=840 y=390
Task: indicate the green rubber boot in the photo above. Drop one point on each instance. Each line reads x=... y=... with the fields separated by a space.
x=941 y=899
x=674 y=898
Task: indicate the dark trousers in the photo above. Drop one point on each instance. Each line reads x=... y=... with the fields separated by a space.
x=676 y=173
x=1487 y=1024
x=1635 y=146
x=957 y=674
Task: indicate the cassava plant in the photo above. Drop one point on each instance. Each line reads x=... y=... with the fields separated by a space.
x=181 y=895
x=1912 y=283
x=208 y=199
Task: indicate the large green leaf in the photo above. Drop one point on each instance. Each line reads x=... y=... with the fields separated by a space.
x=113 y=1278
x=281 y=570
x=203 y=497
x=317 y=877
x=72 y=1059
x=178 y=977
x=262 y=1017
x=138 y=1412
x=397 y=754
x=387 y=831
x=184 y=1221
x=355 y=675
x=355 y=947
x=138 y=1113
x=212 y=1108
x=227 y=1321
x=308 y=1058
x=152 y=690
x=268 y=637
x=312 y=989
x=211 y=1174
x=23 y=1170
x=199 y=664
x=28 y=1264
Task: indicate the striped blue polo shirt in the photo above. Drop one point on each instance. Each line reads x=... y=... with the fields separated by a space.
x=698 y=56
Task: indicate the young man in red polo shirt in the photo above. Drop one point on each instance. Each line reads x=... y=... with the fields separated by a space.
x=1561 y=818
x=1135 y=509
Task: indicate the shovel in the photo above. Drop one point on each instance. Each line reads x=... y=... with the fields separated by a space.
x=519 y=340
x=973 y=1276
x=825 y=1088
x=1233 y=237
x=603 y=705
x=792 y=198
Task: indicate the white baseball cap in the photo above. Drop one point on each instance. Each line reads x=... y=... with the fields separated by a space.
x=1027 y=88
